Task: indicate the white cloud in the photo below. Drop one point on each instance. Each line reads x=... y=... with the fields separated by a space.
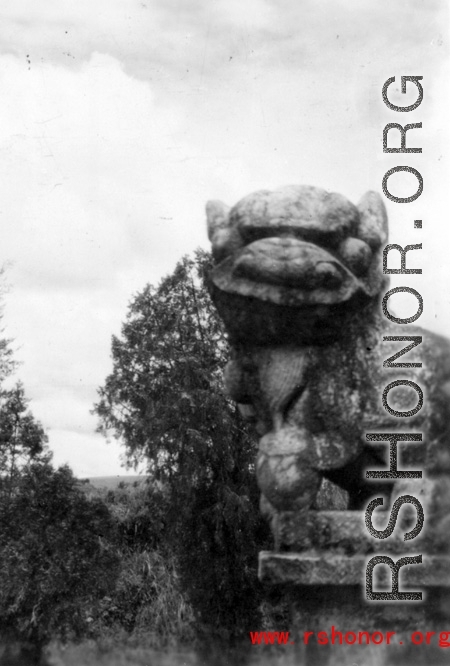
x=120 y=118
x=94 y=205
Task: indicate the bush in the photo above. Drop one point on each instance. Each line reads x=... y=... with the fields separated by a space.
x=57 y=556
x=147 y=603
x=217 y=555
x=141 y=513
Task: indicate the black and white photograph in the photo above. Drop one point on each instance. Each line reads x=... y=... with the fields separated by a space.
x=224 y=333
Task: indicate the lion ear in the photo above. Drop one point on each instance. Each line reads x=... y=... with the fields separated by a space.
x=373 y=222
x=224 y=236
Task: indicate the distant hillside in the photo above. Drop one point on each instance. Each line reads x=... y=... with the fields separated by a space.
x=111 y=482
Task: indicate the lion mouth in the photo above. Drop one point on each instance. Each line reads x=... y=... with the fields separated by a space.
x=288 y=271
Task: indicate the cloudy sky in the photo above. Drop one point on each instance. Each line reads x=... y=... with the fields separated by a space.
x=120 y=118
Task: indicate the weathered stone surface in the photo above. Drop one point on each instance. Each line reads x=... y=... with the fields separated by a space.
x=345 y=532
x=373 y=223
x=356 y=254
x=304 y=212
x=298 y=282
x=290 y=289
x=310 y=568
x=224 y=237
x=290 y=262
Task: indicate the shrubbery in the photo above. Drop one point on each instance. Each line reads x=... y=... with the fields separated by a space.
x=57 y=555
x=140 y=510
x=147 y=604
x=74 y=566
x=147 y=601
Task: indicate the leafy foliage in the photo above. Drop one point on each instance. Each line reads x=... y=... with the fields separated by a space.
x=56 y=555
x=140 y=512
x=147 y=602
x=57 y=548
x=166 y=386
x=7 y=363
x=165 y=400
x=22 y=438
x=146 y=605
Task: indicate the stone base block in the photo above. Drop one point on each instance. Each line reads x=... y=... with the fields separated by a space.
x=311 y=568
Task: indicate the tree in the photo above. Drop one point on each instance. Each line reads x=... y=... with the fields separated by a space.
x=7 y=363
x=57 y=548
x=22 y=438
x=57 y=556
x=165 y=400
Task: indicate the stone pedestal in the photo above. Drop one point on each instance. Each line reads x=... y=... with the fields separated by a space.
x=322 y=571
x=298 y=282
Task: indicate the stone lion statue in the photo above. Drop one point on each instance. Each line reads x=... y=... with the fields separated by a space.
x=298 y=281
